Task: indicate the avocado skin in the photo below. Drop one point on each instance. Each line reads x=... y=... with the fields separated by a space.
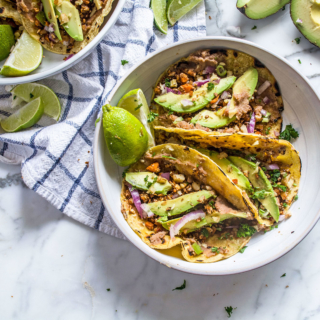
x=261 y=182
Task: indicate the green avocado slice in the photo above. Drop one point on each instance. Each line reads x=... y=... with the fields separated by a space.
x=305 y=15
x=148 y=181
x=259 y=180
x=51 y=16
x=232 y=171
x=209 y=219
x=178 y=205
x=173 y=101
x=73 y=27
x=260 y=9
x=216 y=119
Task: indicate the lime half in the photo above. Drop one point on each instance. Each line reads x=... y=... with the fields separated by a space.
x=31 y=91
x=25 y=57
x=159 y=8
x=6 y=41
x=176 y=9
x=135 y=102
x=25 y=117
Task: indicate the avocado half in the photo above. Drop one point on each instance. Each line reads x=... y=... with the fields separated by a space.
x=260 y=9
x=305 y=15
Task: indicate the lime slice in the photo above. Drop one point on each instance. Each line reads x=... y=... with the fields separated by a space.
x=25 y=57
x=31 y=91
x=135 y=102
x=25 y=117
x=178 y=8
x=6 y=41
x=159 y=8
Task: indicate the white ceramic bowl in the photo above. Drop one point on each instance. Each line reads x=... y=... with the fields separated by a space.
x=53 y=63
x=302 y=109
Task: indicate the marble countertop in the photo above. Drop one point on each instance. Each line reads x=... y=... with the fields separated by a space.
x=55 y=268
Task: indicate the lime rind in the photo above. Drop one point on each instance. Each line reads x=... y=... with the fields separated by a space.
x=176 y=9
x=159 y=8
x=6 y=41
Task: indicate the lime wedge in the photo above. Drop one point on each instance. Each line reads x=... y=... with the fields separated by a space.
x=135 y=102
x=159 y=8
x=31 y=91
x=178 y=8
x=25 y=57
x=25 y=117
x=6 y=41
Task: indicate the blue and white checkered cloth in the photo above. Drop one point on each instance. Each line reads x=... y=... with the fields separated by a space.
x=56 y=160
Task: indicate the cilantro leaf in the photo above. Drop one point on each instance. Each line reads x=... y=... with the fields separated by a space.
x=260 y=194
x=167 y=82
x=210 y=86
x=297 y=40
x=254 y=27
x=108 y=289
x=281 y=187
x=229 y=310
x=123 y=62
x=205 y=233
x=31 y=95
x=183 y=286
x=96 y=122
x=124 y=172
x=283 y=275
x=215 y=250
x=168 y=157
x=299 y=61
x=245 y=231
x=288 y=133
x=274 y=175
x=242 y=249
x=152 y=116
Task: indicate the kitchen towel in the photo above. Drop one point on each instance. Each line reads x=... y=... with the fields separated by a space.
x=56 y=158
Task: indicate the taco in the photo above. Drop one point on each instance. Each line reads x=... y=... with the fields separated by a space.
x=175 y=195
x=267 y=170
x=9 y=15
x=63 y=26
x=218 y=91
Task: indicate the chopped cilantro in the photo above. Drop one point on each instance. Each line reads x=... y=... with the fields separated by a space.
x=97 y=121
x=167 y=82
x=264 y=168
x=152 y=116
x=205 y=233
x=254 y=27
x=168 y=157
x=268 y=130
x=299 y=61
x=210 y=86
x=260 y=194
x=124 y=173
x=285 y=205
x=183 y=286
x=263 y=212
x=295 y=198
x=242 y=249
x=251 y=157
x=198 y=165
x=31 y=95
x=283 y=275
x=123 y=62
x=284 y=8
x=170 y=112
x=281 y=187
x=274 y=175
x=211 y=203
x=148 y=183
x=14 y=97
x=288 y=133
x=215 y=250
x=153 y=154
x=229 y=310
x=245 y=231
x=108 y=289
x=138 y=107
x=276 y=226
x=294 y=184
x=297 y=40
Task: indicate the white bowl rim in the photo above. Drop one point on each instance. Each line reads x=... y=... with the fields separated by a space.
x=73 y=60
x=134 y=239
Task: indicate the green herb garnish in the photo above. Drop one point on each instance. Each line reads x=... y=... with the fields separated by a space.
x=124 y=173
x=153 y=154
x=31 y=95
x=280 y=186
x=152 y=116
x=95 y=123
x=245 y=231
x=260 y=194
x=242 y=249
x=168 y=157
x=215 y=250
x=108 y=289
x=205 y=233
x=183 y=286
x=229 y=310
x=295 y=198
x=210 y=86
x=268 y=130
x=14 y=97
x=254 y=27
x=123 y=62
x=288 y=133
x=283 y=275
x=299 y=61
x=297 y=40
x=138 y=107
x=167 y=82
x=274 y=175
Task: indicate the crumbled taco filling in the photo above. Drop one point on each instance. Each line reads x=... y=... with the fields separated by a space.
x=182 y=78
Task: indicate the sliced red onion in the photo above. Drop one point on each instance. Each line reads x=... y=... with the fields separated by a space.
x=225 y=95
x=69 y=56
x=174 y=196
x=208 y=70
x=263 y=112
x=272 y=166
x=146 y=212
x=186 y=103
x=49 y=28
x=171 y=90
x=281 y=217
x=166 y=175
x=276 y=133
x=217 y=81
x=194 y=215
x=299 y=21
x=201 y=82
x=136 y=200
x=251 y=124
x=266 y=100
x=263 y=87
x=229 y=227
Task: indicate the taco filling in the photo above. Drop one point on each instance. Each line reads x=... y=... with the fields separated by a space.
x=219 y=91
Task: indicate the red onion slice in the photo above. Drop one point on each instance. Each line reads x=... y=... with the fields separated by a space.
x=251 y=124
x=276 y=133
x=272 y=166
x=263 y=112
x=49 y=28
x=281 y=217
x=171 y=90
x=217 y=81
x=201 y=82
x=266 y=100
x=166 y=175
x=146 y=212
x=208 y=70
x=194 y=215
x=263 y=87
x=225 y=95
x=229 y=227
x=136 y=200
x=299 y=21
x=69 y=56
x=186 y=103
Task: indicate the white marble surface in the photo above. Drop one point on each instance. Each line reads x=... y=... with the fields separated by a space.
x=52 y=267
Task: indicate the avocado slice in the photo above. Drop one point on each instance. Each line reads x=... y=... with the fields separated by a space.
x=202 y=97
x=259 y=180
x=73 y=25
x=260 y=9
x=305 y=15
x=51 y=16
x=178 y=205
x=208 y=220
x=41 y=17
x=232 y=171
x=216 y=119
x=147 y=181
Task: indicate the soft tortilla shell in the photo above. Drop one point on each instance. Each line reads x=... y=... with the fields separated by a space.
x=10 y=11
